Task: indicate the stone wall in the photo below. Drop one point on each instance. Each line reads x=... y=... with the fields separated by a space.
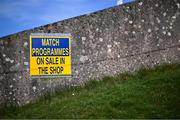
x=107 y=42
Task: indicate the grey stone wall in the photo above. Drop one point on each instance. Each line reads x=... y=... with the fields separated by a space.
x=107 y=42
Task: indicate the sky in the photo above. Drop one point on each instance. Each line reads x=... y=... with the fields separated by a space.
x=19 y=15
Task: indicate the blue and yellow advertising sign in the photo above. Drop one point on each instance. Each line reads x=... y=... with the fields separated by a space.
x=50 y=54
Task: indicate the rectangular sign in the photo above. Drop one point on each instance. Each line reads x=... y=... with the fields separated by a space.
x=50 y=54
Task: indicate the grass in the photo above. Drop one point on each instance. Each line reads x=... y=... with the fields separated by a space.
x=147 y=93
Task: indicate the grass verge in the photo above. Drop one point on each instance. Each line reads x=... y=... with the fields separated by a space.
x=147 y=93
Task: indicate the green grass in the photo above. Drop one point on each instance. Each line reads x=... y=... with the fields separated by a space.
x=153 y=93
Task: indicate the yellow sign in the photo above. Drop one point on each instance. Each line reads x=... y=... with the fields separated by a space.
x=50 y=54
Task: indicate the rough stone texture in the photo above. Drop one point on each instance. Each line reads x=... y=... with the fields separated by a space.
x=107 y=42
